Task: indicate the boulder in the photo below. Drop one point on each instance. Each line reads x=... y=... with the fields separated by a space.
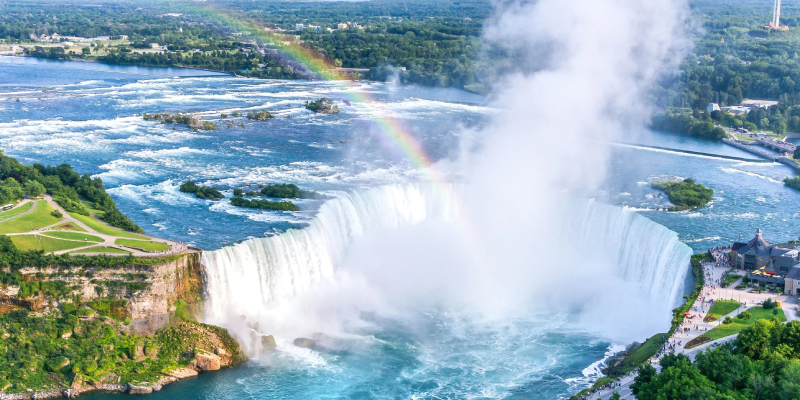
x=207 y=361
x=181 y=373
x=219 y=351
x=304 y=342
x=268 y=342
x=133 y=389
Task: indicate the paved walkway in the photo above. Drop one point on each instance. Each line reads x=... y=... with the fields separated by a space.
x=108 y=240
x=693 y=326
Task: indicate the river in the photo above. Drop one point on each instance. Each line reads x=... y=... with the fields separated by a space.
x=89 y=115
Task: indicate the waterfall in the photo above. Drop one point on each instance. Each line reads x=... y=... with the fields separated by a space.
x=251 y=274
x=243 y=279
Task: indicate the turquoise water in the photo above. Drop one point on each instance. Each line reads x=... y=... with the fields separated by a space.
x=87 y=115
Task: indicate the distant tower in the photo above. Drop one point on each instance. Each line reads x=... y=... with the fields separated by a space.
x=776 y=14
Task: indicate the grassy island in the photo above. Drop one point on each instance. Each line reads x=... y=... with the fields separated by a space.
x=289 y=191
x=793 y=183
x=201 y=192
x=322 y=106
x=264 y=204
x=685 y=195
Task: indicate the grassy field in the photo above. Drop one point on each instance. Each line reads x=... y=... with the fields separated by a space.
x=38 y=242
x=723 y=307
x=738 y=324
x=101 y=249
x=105 y=229
x=143 y=245
x=38 y=218
x=73 y=236
x=16 y=211
x=69 y=226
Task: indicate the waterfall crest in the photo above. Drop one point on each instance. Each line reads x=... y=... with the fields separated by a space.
x=245 y=278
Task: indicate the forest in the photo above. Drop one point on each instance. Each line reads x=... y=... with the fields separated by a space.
x=761 y=364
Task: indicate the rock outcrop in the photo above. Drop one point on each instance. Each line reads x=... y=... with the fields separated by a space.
x=207 y=361
x=304 y=342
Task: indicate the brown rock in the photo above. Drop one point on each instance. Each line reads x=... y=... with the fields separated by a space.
x=181 y=373
x=133 y=389
x=207 y=361
x=304 y=342
x=268 y=342
x=219 y=351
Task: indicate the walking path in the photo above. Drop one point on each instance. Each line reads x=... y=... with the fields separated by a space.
x=108 y=240
x=694 y=326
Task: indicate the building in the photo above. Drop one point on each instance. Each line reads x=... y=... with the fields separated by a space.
x=713 y=107
x=764 y=262
x=736 y=110
x=298 y=27
x=758 y=103
x=314 y=28
x=341 y=26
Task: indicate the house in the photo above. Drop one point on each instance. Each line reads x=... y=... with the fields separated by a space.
x=713 y=107
x=341 y=26
x=44 y=38
x=298 y=27
x=55 y=37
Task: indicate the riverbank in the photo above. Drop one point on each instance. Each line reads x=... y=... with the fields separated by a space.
x=636 y=354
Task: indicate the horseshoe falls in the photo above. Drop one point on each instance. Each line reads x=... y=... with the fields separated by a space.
x=264 y=286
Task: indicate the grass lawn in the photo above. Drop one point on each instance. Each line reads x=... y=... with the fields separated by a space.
x=145 y=245
x=101 y=249
x=16 y=211
x=38 y=242
x=73 y=236
x=38 y=218
x=101 y=227
x=738 y=324
x=69 y=226
x=723 y=307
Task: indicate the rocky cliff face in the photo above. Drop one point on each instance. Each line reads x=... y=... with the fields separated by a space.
x=150 y=293
x=176 y=281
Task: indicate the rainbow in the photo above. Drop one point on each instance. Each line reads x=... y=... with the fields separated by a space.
x=320 y=68
x=391 y=129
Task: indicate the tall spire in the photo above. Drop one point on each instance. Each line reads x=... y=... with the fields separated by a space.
x=776 y=14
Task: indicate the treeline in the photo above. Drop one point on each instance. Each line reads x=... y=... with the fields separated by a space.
x=65 y=185
x=683 y=123
x=762 y=364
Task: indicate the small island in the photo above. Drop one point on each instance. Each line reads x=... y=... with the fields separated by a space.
x=262 y=115
x=289 y=191
x=685 y=195
x=793 y=183
x=264 y=204
x=189 y=120
x=201 y=192
x=322 y=106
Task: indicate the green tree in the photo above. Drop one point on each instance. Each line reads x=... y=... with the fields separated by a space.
x=34 y=188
